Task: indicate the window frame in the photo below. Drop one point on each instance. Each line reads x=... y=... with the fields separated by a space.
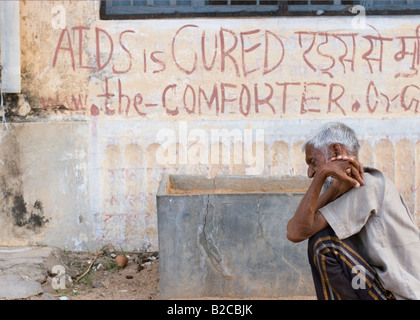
x=283 y=11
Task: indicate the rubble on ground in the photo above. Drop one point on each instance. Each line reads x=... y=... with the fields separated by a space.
x=50 y=273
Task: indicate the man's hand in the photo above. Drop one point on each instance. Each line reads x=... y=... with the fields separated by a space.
x=347 y=173
x=346 y=169
x=353 y=169
x=353 y=160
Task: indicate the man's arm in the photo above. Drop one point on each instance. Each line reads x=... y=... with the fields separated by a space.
x=307 y=219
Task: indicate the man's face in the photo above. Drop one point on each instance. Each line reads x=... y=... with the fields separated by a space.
x=315 y=158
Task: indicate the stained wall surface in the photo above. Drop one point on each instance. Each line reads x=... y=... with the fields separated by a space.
x=107 y=107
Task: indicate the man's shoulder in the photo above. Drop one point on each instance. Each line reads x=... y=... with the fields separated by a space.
x=373 y=174
x=378 y=182
x=375 y=181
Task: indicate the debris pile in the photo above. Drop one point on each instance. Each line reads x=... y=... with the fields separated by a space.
x=96 y=271
x=51 y=273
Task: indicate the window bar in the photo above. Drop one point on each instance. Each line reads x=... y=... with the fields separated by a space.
x=172 y=2
x=198 y=4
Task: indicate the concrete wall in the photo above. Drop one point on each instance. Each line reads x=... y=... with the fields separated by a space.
x=108 y=106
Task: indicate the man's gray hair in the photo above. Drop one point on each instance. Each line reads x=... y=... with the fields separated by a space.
x=334 y=132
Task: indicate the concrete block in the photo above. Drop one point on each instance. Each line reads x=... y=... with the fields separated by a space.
x=299 y=166
x=366 y=153
x=23 y=269
x=151 y=156
x=279 y=161
x=14 y=287
x=28 y=271
x=384 y=158
x=133 y=156
x=227 y=238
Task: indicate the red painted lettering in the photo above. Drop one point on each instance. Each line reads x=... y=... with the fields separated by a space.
x=172 y=112
x=98 y=50
x=59 y=47
x=266 y=100
x=226 y=53
x=267 y=69
x=174 y=54
x=126 y=50
x=224 y=99
x=247 y=50
x=334 y=100
x=305 y=99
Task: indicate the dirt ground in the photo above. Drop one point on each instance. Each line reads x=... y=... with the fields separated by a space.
x=96 y=276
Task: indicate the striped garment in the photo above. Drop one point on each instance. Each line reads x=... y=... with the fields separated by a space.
x=339 y=272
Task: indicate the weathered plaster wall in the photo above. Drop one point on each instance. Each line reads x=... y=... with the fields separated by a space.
x=108 y=106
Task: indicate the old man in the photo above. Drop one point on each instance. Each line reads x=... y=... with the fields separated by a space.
x=363 y=242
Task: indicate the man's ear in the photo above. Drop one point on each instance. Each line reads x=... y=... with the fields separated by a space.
x=336 y=149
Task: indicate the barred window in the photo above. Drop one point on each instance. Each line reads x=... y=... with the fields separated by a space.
x=145 y=9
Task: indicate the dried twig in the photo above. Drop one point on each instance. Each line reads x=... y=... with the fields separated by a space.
x=87 y=271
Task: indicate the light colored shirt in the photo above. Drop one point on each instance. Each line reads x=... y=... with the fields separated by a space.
x=383 y=231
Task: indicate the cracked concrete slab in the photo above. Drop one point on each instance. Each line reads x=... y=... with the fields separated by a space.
x=23 y=270
x=14 y=287
x=229 y=244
